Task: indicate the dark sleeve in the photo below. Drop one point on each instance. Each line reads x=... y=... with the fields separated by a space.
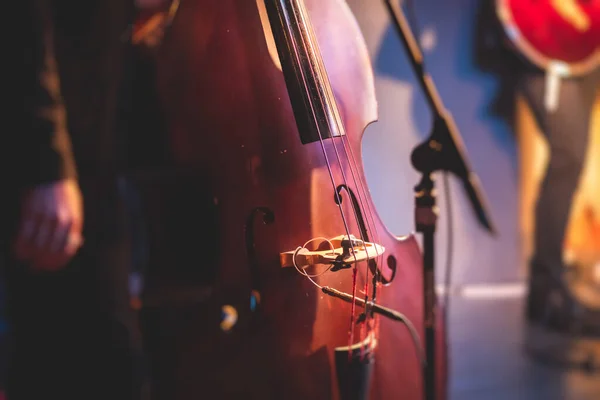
x=43 y=144
x=493 y=54
x=492 y=51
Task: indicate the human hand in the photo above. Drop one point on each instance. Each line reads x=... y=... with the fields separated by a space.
x=51 y=223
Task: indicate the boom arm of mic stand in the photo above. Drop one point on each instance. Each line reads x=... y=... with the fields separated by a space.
x=443 y=150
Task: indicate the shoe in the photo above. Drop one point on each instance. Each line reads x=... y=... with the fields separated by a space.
x=564 y=302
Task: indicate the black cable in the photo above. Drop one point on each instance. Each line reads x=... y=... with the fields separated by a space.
x=414 y=334
x=449 y=248
x=386 y=312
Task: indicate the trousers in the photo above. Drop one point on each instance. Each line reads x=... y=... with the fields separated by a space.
x=566 y=131
x=73 y=333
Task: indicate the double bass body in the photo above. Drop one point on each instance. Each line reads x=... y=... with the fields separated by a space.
x=229 y=119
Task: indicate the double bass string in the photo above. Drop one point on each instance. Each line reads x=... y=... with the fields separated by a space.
x=369 y=219
x=330 y=99
x=298 y=11
x=294 y=12
x=368 y=215
x=295 y=53
x=301 y=13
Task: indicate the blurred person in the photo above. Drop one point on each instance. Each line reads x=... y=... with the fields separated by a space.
x=72 y=329
x=551 y=298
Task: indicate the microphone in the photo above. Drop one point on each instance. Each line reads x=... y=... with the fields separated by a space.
x=376 y=308
x=442 y=151
x=384 y=311
x=445 y=151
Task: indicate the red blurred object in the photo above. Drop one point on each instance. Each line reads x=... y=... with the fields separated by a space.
x=544 y=36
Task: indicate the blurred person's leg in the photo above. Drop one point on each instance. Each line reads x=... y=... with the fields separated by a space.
x=567 y=132
x=73 y=333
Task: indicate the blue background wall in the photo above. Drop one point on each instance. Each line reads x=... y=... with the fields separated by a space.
x=446 y=34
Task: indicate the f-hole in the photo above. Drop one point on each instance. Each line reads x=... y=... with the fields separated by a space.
x=362 y=226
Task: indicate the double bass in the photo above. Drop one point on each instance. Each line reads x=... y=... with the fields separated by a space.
x=264 y=104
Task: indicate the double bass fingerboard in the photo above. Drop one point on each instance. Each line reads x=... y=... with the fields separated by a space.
x=315 y=109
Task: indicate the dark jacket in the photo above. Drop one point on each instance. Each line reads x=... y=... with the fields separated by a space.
x=65 y=86
x=494 y=54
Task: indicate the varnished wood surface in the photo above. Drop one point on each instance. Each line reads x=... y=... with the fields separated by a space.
x=230 y=120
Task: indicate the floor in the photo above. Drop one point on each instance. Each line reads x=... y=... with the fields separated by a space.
x=488 y=361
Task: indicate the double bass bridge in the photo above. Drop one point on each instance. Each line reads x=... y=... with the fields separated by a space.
x=343 y=252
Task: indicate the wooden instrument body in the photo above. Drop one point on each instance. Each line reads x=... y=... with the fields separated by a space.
x=229 y=117
x=544 y=37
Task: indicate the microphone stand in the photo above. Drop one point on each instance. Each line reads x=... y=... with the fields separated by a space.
x=442 y=151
